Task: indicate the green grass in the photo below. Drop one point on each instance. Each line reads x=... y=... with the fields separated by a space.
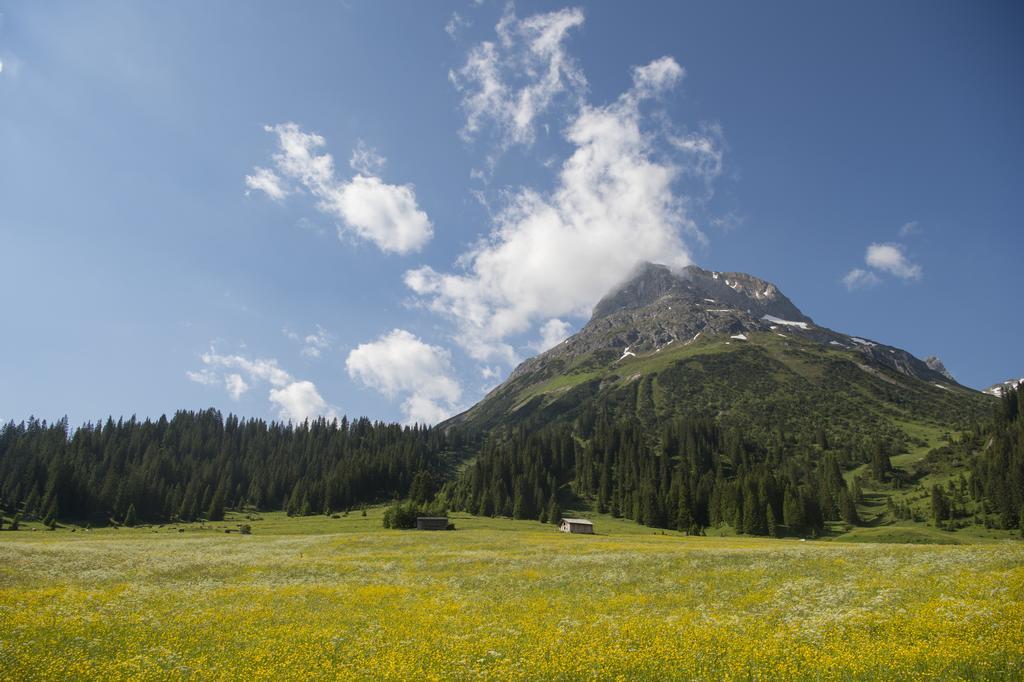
x=908 y=532
x=626 y=368
x=279 y=523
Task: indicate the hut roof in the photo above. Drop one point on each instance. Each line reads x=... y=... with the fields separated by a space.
x=583 y=521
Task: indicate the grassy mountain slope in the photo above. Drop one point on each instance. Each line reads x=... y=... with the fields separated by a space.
x=769 y=380
x=792 y=401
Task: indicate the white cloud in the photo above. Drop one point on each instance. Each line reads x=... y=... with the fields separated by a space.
x=552 y=332
x=509 y=83
x=204 y=377
x=235 y=385
x=264 y=370
x=294 y=399
x=455 y=24
x=366 y=160
x=312 y=344
x=859 y=278
x=266 y=180
x=400 y=364
x=888 y=258
x=728 y=222
x=554 y=255
x=384 y=214
x=909 y=229
x=704 y=151
x=891 y=258
x=655 y=78
x=299 y=401
x=1 y=66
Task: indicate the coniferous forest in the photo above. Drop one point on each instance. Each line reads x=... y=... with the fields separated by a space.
x=197 y=464
x=695 y=474
x=997 y=473
x=691 y=475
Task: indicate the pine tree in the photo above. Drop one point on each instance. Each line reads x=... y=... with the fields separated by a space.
x=773 y=529
x=792 y=511
x=554 y=513
x=881 y=466
x=486 y=504
x=753 y=512
x=294 y=500
x=684 y=519
x=940 y=506
x=129 y=517
x=421 y=491
x=216 y=510
x=32 y=502
x=52 y=512
x=848 y=508
x=856 y=492
x=519 y=510
x=185 y=510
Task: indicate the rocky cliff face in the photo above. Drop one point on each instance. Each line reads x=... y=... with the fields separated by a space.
x=651 y=284
x=657 y=307
x=935 y=364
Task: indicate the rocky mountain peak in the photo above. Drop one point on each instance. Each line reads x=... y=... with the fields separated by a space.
x=935 y=364
x=651 y=282
x=660 y=313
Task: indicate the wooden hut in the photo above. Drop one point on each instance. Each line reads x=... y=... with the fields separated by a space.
x=431 y=523
x=575 y=526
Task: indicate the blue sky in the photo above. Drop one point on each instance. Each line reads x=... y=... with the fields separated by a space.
x=174 y=235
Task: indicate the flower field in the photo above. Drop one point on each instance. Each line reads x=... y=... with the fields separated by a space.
x=500 y=600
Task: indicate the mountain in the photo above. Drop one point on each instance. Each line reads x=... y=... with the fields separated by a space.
x=722 y=344
x=709 y=402
x=999 y=389
x=935 y=363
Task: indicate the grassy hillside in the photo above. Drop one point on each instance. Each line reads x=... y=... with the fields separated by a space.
x=322 y=597
x=762 y=381
x=793 y=411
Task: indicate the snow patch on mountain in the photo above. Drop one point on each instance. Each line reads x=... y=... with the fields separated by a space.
x=778 y=320
x=998 y=389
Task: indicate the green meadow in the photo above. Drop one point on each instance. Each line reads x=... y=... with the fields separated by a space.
x=498 y=599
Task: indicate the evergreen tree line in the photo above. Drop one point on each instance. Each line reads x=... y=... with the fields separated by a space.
x=992 y=450
x=997 y=465
x=198 y=464
x=517 y=474
x=692 y=475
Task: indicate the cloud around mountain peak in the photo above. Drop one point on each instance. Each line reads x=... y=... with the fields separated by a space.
x=615 y=203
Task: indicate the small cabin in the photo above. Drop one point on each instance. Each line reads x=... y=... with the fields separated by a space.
x=575 y=526
x=431 y=523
